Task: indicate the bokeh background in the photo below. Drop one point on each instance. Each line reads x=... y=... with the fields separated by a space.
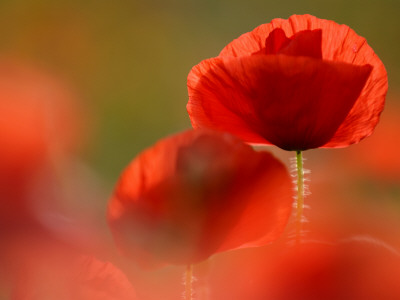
x=129 y=59
x=127 y=63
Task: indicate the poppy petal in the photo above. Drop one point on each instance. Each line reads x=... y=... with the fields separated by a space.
x=263 y=218
x=224 y=118
x=339 y=43
x=101 y=280
x=303 y=43
x=296 y=103
x=212 y=193
x=332 y=44
x=364 y=116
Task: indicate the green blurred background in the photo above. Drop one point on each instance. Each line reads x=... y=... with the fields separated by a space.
x=129 y=59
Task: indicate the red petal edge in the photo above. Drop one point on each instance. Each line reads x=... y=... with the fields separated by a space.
x=339 y=43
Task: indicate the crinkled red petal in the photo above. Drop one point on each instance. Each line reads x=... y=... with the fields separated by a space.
x=296 y=103
x=340 y=44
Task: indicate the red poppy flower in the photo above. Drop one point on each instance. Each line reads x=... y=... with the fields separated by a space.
x=300 y=83
x=39 y=124
x=198 y=193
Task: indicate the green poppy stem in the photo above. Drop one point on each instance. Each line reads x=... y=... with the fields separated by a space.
x=300 y=195
x=188 y=282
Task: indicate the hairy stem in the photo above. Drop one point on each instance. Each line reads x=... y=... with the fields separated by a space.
x=300 y=195
x=188 y=282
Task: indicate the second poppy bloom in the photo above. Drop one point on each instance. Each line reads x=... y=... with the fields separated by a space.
x=300 y=83
x=196 y=194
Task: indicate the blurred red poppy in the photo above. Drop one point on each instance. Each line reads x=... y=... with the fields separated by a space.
x=300 y=83
x=349 y=250
x=58 y=275
x=196 y=194
x=39 y=115
x=40 y=127
x=376 y=158
x=39 y=124
x=354 y=270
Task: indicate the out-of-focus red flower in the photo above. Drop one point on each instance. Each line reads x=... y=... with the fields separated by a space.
x=40 y=127
x=101 y=280
x=349 y=248
x=63 y=275
x=377 y=157
x=196 y=194
x=39 y=114
x=352 y=270
x=300 y=83
x=40 y=122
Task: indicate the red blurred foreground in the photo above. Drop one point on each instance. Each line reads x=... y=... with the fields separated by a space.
x=199 y=193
